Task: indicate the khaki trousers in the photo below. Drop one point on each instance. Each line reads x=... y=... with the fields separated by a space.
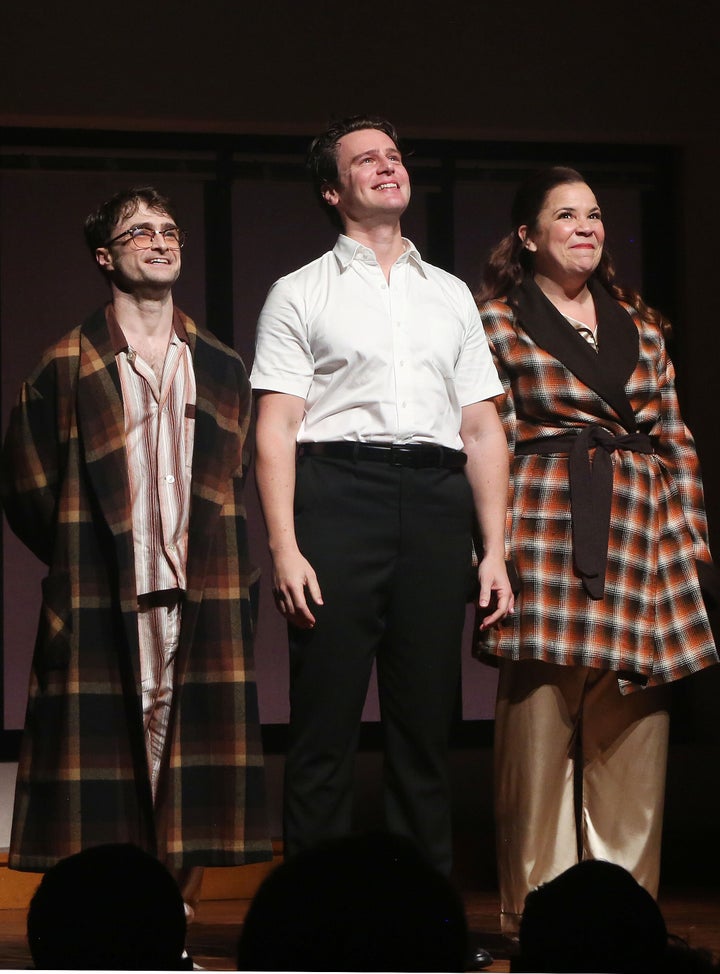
x=579 y=774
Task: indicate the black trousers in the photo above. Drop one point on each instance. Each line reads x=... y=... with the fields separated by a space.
x=391 y=548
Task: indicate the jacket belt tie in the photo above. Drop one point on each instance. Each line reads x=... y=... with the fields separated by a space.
x=591 y=481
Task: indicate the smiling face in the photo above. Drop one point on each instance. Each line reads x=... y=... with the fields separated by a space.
x=134 y=270
x=373 y=185
x=567 y=239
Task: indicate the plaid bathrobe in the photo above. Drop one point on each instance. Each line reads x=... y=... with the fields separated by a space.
x=83 y=776
x=642 y=613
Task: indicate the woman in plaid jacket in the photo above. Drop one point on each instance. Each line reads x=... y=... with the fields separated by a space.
x=607 y=530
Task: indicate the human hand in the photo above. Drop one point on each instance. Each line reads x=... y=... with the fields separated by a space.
x=496 y=599
x=293 y=580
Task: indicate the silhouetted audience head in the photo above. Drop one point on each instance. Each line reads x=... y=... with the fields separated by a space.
x=111 y=907
x=681 y=958
x=594 y=917
x=359 y=903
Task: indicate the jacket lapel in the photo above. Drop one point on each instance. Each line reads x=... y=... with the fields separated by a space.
x=101 y=429
x=101 y=424
x=217 y=457
x=217 y=450
x=216 y=453
x=605 y=371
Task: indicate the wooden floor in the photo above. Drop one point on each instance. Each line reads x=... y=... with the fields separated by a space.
x=691 y=914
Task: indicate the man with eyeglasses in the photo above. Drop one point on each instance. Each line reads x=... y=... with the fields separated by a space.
x=123 y=470
x=377 y=439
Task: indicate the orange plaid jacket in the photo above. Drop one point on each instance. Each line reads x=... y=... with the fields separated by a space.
x=650 y=624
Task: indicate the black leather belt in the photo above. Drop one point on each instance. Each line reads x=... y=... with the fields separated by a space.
x=167 y=597
x=399 y=455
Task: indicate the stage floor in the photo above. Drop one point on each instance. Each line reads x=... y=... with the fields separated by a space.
x=691 y=914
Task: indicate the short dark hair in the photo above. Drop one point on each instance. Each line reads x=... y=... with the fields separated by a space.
x=369 y=902
x=323 y=152
x=100 y=224
x=110 y=907
x=593 y=917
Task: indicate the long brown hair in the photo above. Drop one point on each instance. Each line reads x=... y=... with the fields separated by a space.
x=510 y=262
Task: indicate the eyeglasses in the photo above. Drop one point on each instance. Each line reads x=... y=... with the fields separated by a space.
x=144 y=237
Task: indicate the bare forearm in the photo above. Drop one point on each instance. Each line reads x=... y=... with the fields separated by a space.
x=278 y=420
x=275 y=479
x=487 y=472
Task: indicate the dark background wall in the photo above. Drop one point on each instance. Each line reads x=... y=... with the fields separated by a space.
x=624 y=74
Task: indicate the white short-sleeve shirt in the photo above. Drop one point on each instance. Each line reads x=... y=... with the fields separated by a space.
x=374 y=361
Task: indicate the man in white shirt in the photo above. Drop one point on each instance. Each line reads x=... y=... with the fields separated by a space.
x=377 y=442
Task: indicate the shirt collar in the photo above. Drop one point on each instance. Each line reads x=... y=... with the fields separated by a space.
x=347 y=250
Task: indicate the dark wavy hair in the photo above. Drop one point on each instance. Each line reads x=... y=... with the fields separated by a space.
x=323 y=152
x=100 y=224
x=510 y=262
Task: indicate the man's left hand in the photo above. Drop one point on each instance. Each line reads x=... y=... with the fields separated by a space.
x=496 y=599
